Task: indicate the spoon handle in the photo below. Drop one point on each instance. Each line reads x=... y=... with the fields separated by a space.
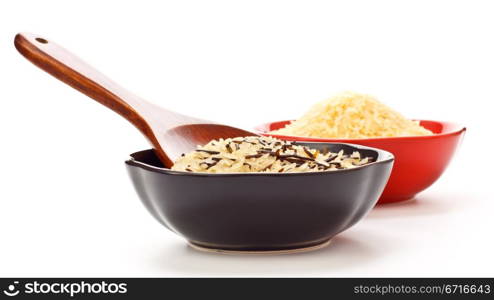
x=68 y=68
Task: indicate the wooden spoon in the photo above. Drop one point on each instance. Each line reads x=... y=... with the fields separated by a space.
x=170 y=133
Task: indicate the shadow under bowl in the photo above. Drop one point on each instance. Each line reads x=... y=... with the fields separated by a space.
x=260 y=211
x=419 y=160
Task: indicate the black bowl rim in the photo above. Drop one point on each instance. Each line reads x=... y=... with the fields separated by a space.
x=382 y=157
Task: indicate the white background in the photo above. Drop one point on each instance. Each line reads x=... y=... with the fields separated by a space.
x=67 y=207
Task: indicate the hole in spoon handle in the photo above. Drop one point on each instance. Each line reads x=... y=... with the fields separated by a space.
x=41 y=40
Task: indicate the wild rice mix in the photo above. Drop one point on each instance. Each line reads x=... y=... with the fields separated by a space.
x=263 y=154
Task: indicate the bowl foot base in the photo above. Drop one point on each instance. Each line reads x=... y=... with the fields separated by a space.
x=281 y=251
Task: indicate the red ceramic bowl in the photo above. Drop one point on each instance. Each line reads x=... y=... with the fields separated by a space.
x=419 y=160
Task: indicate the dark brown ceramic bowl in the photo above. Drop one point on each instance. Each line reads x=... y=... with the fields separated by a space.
x=260 y=211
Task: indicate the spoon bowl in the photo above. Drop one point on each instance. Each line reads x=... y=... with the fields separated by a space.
x=192 y=135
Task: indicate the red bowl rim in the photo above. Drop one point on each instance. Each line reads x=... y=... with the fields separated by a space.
x=451 y=130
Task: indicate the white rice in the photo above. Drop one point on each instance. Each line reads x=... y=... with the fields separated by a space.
x=351 y=115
